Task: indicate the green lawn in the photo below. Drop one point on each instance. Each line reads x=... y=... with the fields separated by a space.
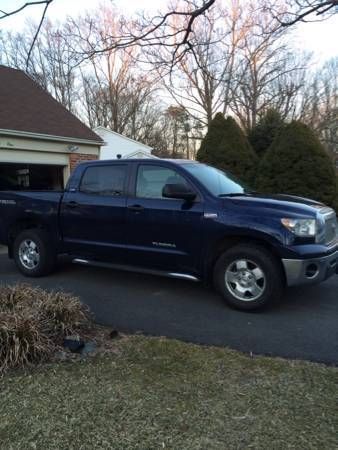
x=157 y=393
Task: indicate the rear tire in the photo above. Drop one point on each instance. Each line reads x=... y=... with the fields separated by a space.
x=33 y=253
x=249 y=277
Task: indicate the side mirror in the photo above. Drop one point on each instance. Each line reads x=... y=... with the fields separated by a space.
x=179 y=191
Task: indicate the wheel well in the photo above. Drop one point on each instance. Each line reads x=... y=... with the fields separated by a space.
x=229 y=242
x=22 y=225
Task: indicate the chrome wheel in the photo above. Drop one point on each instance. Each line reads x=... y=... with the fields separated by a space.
x=29 y=255
x=245 y=280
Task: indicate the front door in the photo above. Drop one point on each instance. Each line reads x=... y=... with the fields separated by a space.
x=93 y=219
x=163 y=233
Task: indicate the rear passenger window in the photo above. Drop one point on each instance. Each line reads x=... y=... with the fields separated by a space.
x=104 y=180
x=152 y=179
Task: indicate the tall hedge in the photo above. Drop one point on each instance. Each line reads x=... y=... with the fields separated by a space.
x=212 y=139
x=297 y=163
x=263 y=134
x=335 y=202
x=225 y=146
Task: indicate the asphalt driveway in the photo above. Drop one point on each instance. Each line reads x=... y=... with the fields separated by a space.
x=304 y=325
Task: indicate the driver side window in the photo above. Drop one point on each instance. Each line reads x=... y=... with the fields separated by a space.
x=152 y=179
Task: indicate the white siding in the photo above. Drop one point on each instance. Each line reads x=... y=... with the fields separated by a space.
x=116 y=144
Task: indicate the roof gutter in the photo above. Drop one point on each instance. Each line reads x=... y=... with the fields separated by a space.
x=49 y=137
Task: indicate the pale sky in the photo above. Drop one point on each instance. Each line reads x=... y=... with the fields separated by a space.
x=321 y=38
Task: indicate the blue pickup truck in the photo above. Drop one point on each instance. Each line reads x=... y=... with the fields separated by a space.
x=177 y=218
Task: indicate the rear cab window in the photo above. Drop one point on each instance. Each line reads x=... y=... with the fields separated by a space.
x=105 y=180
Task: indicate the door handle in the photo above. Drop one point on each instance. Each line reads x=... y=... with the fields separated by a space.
x=136 y=208
x=72 y=204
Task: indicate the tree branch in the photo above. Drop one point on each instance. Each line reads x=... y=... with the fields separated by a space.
x=4 y=14
x=47 y=3
x=306 y=8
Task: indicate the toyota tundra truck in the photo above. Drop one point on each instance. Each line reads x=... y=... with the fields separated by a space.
x=177 y=218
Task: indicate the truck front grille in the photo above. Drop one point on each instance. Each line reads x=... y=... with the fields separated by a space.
x=331 y=228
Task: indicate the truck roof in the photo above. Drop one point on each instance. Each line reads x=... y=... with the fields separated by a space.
x=140 y=160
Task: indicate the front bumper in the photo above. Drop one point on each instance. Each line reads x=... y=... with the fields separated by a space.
x=308 y=271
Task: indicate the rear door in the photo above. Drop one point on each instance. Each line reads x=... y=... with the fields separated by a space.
x=93 y=217
x=163 y=233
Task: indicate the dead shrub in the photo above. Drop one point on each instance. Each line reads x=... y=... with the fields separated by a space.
x=33 y=322
x=22 y=342
x=63 y=313
x=18 y=297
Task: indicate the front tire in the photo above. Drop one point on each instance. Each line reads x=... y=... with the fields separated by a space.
x=33 y=253
x=249 y=277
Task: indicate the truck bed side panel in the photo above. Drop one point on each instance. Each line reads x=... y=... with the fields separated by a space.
x=29 y=207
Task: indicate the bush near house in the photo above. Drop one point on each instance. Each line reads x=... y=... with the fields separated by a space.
x=263 y=134
x=335 y=203
x=34 y=322
x=297 y=163
x=225 y=146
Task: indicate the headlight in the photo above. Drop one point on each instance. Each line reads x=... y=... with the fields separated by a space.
x=301 y=227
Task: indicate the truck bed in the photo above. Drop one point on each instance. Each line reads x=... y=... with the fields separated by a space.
x=19 y=206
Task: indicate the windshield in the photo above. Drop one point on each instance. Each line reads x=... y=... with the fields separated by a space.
x=216 y=181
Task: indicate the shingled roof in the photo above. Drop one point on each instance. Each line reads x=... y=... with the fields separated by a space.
x=26 y=107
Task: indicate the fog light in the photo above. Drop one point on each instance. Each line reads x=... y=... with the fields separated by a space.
x=311 y=270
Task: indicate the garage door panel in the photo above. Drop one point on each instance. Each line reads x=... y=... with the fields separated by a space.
x=26 y=157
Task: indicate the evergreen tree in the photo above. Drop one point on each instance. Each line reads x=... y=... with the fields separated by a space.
x=225 y=146
x=297 y=163
x=335 y=201
x=212 y=139
x=262 y=135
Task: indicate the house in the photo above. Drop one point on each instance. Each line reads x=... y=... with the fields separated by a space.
x=119 y=146
x=40 y=140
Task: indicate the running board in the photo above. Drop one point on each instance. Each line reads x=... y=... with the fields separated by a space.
x=182 y=276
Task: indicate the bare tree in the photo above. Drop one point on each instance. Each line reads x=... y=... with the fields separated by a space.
x=51 y=61
x=319 y=104
x=241 y=61
x=174 y=131
x=200 y=81
x=146 y=31
x=269 y=74
x=156 y=31
x=12 y=12
x=306 y=11
x=116 y=93
x=143 y=31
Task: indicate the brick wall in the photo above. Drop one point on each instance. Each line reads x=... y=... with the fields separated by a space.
x=76 y=158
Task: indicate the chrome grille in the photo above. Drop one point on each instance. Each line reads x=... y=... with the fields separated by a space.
x=331 y=228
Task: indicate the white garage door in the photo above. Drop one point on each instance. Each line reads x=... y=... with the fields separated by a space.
x=24 y=156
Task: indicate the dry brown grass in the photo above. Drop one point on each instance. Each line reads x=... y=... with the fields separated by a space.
x=33 y=322
x=154 y=393
x=22 y=342
x=63 y=313
x=18 y=297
